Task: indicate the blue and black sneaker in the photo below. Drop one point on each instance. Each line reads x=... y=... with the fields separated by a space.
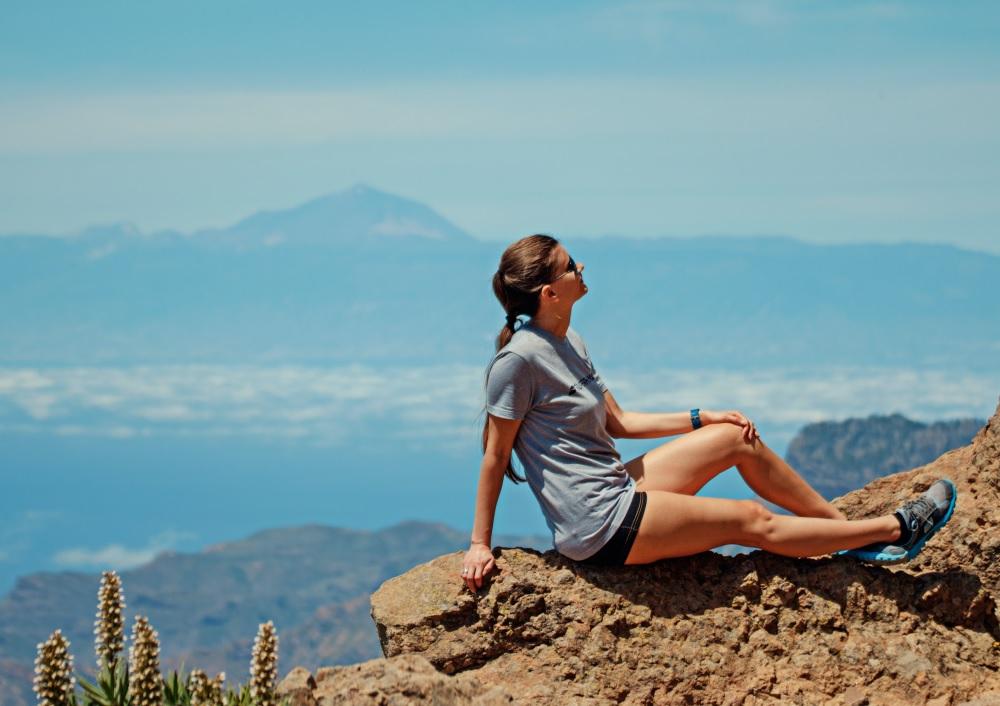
x=919 y=519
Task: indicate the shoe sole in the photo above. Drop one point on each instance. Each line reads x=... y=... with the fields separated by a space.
x=915 y=549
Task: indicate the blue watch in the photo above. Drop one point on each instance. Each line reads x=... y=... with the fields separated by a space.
x=695 y=418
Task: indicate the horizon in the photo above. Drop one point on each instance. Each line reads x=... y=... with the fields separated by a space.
x=138 y=231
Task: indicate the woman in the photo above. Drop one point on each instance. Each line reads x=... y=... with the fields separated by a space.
x=545 y=400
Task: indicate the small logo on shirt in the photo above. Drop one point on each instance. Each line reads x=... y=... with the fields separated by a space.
x=582 y=382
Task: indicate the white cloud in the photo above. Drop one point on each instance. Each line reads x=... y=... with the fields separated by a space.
x=113 y=556
x=117 y=556
x=440 y=406
x=38 y=406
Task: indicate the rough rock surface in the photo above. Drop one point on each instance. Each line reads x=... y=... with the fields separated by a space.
x=710 y=629
x=406 y=679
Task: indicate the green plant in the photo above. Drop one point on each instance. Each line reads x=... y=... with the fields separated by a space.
x=215 y=695
x=109 y=688
x=109 y=629
x=177 y=691
x=138 y=681
x=54 y=672
x=145 y=684
x=264 y=666
x=240 y=697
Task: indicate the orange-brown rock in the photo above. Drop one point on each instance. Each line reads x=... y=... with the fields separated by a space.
x=407 y=679
x=710 y=629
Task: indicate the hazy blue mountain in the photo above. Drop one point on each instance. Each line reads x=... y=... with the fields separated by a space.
x=314 y=582
x=363 y=276
x=837 y=457
x=359 y=213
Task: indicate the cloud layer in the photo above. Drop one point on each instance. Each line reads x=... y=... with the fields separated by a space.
x=117 y=556
x=439 y=407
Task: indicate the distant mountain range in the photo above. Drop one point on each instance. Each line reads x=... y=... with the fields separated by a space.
x=838 y=457
x=314 y=582
x=365 y=276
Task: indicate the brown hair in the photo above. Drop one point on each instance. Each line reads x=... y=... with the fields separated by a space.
x=525 y=267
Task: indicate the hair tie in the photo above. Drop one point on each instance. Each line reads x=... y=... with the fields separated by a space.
x=511 y=321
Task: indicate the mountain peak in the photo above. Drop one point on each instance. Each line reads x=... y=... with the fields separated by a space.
x=360 y=189
x=360 y=213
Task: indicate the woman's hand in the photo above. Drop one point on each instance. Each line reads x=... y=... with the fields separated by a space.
x=732 y=417
x=477 y=563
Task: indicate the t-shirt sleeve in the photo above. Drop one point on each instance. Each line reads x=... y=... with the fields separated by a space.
x=510 y=387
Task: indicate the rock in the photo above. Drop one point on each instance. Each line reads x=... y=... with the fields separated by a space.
x=855 y=696
x=712 y=629
x=407 y=679
x=298 y=688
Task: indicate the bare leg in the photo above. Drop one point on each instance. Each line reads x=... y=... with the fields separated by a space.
x=685 y=464
x=678 y=525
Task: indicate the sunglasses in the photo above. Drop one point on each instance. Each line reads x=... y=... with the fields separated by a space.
x=570 y=267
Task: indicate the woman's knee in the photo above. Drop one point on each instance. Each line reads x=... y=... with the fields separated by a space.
x=733 y=438
x=729 y=437
x=756 y=522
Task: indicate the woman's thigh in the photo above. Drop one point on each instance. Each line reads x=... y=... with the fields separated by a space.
x=679 y=525
x=685 y=464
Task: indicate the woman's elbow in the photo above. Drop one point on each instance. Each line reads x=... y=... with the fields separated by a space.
x=495 y=457
x=615 y=431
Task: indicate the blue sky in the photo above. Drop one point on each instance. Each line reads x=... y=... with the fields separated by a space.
x=826 y=121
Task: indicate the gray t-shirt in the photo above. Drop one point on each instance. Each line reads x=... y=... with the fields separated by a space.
x=569 y=458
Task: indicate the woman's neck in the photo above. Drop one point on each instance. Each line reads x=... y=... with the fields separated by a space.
x=555 y=323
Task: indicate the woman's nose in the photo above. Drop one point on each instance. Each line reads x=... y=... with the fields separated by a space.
x=579 y=267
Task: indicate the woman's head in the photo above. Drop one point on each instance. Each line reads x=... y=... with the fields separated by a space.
x=526 y=268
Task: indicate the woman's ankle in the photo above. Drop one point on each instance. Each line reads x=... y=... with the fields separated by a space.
x=895 y=531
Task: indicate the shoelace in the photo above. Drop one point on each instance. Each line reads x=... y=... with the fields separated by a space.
x=919 y=511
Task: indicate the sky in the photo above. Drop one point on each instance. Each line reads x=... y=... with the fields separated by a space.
x=826 y=121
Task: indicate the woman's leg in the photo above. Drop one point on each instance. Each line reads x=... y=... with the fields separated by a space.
x=685 y=464
x=678 y=525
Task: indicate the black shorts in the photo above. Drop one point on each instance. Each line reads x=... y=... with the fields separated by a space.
x=615 y=552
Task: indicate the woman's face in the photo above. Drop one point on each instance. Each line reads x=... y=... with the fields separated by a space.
x=569 y=282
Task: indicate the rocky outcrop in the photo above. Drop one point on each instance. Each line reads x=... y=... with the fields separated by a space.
x=711 y=629
x=406 y=679
x=838 y=457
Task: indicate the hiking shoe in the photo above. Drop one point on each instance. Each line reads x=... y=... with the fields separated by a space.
x=923 y=516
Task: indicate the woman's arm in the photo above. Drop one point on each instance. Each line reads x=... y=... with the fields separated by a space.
x=479 y=559
x=650 y=425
